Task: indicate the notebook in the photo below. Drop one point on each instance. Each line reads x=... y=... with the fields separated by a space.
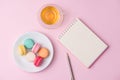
x=82 y=42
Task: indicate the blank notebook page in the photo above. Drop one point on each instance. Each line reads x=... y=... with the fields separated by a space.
x=82 y=42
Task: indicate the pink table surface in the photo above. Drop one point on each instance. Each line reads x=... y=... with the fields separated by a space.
x=20 y=16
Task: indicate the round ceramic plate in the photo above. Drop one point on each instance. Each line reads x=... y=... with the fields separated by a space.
x=29 y=66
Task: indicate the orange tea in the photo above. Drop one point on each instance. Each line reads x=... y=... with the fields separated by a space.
x=50 y=15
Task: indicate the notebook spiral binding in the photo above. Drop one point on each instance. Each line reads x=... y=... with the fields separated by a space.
x=68 y=28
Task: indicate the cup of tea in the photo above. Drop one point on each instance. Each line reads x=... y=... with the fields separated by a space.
x=51 y=16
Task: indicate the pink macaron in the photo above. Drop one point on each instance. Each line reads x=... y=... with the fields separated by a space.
x=36 y=48
x=38 y=61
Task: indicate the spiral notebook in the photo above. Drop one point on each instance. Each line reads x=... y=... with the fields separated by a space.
x=82 y=42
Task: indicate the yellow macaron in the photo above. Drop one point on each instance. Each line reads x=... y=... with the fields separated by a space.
x=22 y=50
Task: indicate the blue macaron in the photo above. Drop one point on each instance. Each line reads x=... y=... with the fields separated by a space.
x=29 y=43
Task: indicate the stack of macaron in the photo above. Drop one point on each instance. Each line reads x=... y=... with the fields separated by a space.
x=33 y=52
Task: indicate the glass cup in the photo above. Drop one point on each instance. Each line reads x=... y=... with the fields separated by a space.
x=51 y=16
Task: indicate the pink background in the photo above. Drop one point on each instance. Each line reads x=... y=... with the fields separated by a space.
x=20 y=16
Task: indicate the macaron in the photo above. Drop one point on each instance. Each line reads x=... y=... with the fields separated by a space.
x=38 y=61
x=22 y=50
x=28 y=43
x=43 y=52
x=30 y=56
x=36 y=48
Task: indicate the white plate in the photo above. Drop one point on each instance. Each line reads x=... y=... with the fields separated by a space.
x=29 y=66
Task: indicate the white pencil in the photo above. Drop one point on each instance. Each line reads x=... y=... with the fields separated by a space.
x=70 y=67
